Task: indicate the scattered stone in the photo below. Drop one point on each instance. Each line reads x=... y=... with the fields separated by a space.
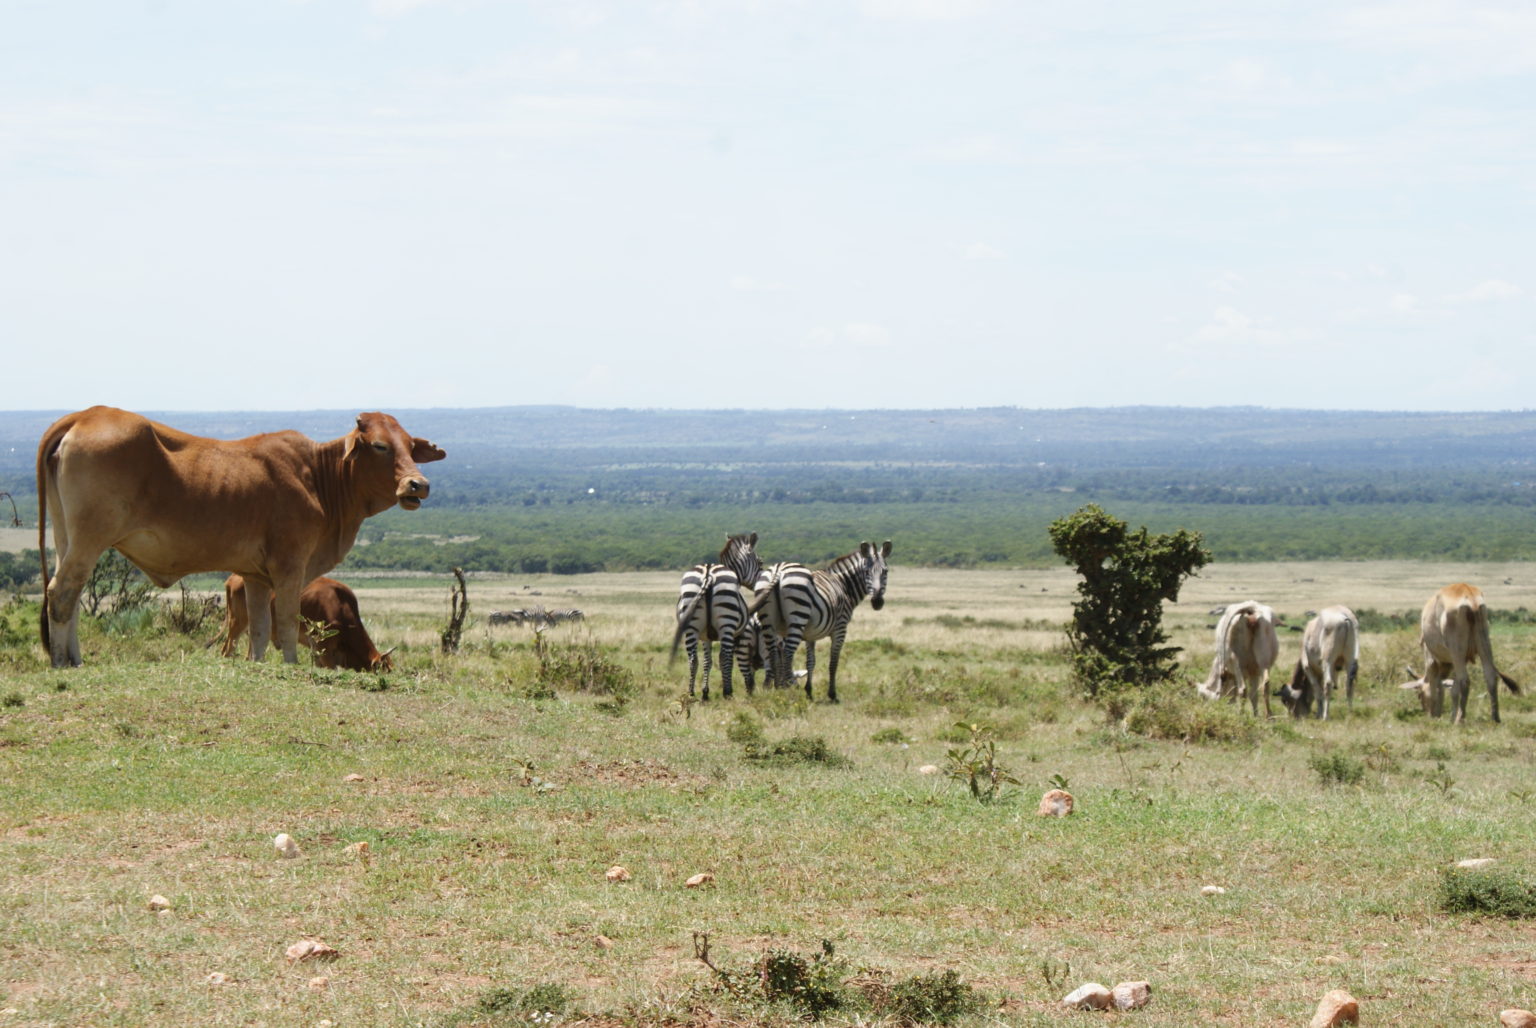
x=217 y=978
x=354 y=777
x=286 y=847
x=1476 y=863
x=311 y=949
x=1091 y=996
x=1336 y=1008
x=928 y=769
x=360 y=850
x=158 y=903
x=1517 y=1018
x=603 y=942
x=1131 y=995
x=618 y=873
x=1056 y=803
x=702 y=878
x=1212 y=890
x=319 y=982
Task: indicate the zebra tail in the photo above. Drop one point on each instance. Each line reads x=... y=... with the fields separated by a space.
x=684 y=619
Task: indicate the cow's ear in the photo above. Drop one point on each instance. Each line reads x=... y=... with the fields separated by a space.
x=351 y=443
x=423 y=452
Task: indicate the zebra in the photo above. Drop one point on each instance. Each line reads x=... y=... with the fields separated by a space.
x=799 y=603
x=709 y=604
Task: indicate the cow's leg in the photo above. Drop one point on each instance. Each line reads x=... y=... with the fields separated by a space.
x=1264 y=691
x=258 y=612
x=1461 y=685
x=75 y=565
x=285 y=628
x=1491 y=676
x=1325 y=692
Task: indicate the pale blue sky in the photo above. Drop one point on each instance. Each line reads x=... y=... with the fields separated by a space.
x=768 y=203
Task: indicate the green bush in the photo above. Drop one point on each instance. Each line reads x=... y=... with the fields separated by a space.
x=797 y=749
x=1175 y=711
x=1337 y=769
x=814 y=986
x=938 y=998
x=1494 y=891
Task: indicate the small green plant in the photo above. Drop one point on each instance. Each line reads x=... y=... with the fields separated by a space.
x=976 y=765
x=797 y=749
x=938 y=998
x=13 y=699
x=814 y=986
x=545 y=1003
x=1337 y=769
x=317 y=632
x=746 y=730
x=889 y=735
x=1494 y=891
x=1058 y=781
x=1441 y=779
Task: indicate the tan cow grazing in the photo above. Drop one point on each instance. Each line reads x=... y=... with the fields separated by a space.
x=1246 y=648
x=326 y=601
x=1454 y=632
x=1330 y=644
x=279 y=509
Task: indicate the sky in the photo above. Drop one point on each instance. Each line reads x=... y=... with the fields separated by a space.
x=381 y=204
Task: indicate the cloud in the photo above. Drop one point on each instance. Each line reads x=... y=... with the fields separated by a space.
x=984 y=252
x=748 y=284
x=924 y=10
x=1227 y=282
x=1485 y=292
x=1229 y=326
x=856 y=334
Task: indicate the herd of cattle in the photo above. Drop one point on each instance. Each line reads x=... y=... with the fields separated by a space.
x=1453 y=631
x=279 y=510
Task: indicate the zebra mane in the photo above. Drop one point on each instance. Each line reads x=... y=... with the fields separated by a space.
x=849 y=570
x=738 y=555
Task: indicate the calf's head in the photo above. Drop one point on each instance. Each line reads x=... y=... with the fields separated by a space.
x=1297 y=693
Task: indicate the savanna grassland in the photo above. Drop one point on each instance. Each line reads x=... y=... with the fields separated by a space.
x=496 y=787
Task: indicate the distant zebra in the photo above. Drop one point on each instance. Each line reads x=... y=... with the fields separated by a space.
x=710 y=605
x=801 y=604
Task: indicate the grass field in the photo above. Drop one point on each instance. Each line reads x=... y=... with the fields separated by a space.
x=496 y=787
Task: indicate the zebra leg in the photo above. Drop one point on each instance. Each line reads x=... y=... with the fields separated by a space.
x=708 y=657
x=727 y=651
x=810 y=665
x=786 y=674
x=691 y=644
x=838 y=635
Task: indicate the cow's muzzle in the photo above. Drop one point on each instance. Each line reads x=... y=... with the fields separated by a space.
x=412 y=491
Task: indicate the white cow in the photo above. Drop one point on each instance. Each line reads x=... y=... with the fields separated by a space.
x=1246 y=648
x=1330 y=644
x=1454 y=632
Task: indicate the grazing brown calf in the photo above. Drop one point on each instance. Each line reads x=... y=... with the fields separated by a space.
x=326 y=601
x=1454 y=632
x=278 y=508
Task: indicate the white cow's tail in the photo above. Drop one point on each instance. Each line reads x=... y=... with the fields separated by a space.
x=1491 y=671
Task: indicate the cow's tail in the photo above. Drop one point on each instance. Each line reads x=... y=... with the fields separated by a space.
x=44 y=451
x=1485 y=653
x=1354 y=653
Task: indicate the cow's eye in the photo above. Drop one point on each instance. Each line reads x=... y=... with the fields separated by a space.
x=381 y=447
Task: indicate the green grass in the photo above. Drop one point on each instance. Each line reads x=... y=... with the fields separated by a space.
x=159 y=768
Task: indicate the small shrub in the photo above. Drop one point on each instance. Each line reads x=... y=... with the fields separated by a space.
x=1495 y=891
x=746 y=730
x=889 y=735
x=814 y=986
x=544 y=1003
x=13 y=699
x=798 y=749
x=938 y=998
x=1176 y=712
x=1337 y=769
x=976 y=765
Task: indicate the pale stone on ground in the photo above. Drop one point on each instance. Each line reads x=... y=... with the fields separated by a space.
x=158 y=902
x=1091 y=996
x=928 y=769
x=1212 y=890
x=1476 y=863
x=618 y=873
x=311 y=949
x=1056 y=803
x=1517 y=1018
x=285 y=846
x=1336 y=1008
x=1131 y=995
x=702 y=878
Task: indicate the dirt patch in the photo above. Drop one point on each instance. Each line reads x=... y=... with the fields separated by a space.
x=644 y=771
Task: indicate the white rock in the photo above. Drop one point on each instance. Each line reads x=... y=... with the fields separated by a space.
x=702 y=878
x=158 y=902
x=1517 y=1018
x=1334 y=1009
x=1131 y=995
x=310 y=949
x=1476 y=863
x=319 y=982
x=617 y=873
x=928 y=769
x=217 y=978
x=1212 y=890
x=1092 y=996
x=285 y=846
x=1056 y=803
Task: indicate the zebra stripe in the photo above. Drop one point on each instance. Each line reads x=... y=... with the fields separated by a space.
x=800 y=604
x=709 y=604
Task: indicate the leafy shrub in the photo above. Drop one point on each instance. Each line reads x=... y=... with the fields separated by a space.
x=976 y=765
x=1175 y=711
x=889 y=735
x=541 y=1004
x=1337 y=769
x=1495 y=891
x=814 y=986
x=585 y=670
x=938 y=998
x=797 y=749
x=746 y=730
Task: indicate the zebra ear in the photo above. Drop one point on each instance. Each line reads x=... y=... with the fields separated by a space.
x=885 y=551
x=866 y=549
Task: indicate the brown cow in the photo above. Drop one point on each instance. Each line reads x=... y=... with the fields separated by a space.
x=1454 y=632
x=327 y=601
x=279 y=509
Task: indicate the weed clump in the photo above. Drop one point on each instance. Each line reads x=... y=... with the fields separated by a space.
x=797 y=749
x=938 y=998
x=1337 y=769
x=1176 y=712
x=813 y=986
x=1494 y=891
x=545 y=1003
x=889 y=735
